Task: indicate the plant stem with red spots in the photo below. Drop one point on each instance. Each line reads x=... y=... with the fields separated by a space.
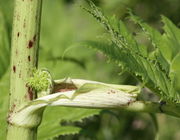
x=24 y=53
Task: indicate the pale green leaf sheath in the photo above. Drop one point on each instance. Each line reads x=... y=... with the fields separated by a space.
x=78 y=93
x=90 y=94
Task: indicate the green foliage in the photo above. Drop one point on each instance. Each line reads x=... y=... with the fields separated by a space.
x=4 y=46
x=4 y=76
x=61 y=26
x=166 y=46
x=4 y=89
x=126 y=52
x=54 y=115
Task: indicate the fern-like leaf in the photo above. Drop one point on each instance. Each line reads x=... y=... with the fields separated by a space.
x=125 y=51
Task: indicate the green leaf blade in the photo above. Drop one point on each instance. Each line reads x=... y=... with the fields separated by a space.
x=53 y=116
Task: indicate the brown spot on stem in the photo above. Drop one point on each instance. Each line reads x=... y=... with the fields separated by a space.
x=29 y=58
x=18 y=34
x=14 y=69
x=30 y=44
x=30 y=93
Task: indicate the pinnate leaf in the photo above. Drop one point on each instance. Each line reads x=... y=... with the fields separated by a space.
x=126 y=52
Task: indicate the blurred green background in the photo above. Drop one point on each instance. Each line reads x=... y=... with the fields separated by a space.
x=64 y=24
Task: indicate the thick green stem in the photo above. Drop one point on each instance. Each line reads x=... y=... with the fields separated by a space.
x=25 y=39
x=154 y=107
x=26 y=133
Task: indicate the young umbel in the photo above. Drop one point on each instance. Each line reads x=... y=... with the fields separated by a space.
x=32 y=89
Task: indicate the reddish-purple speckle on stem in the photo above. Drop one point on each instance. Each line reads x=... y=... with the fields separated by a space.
x=14 y=69
x=30 y=93
x=29 y=58
x=30 y=44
